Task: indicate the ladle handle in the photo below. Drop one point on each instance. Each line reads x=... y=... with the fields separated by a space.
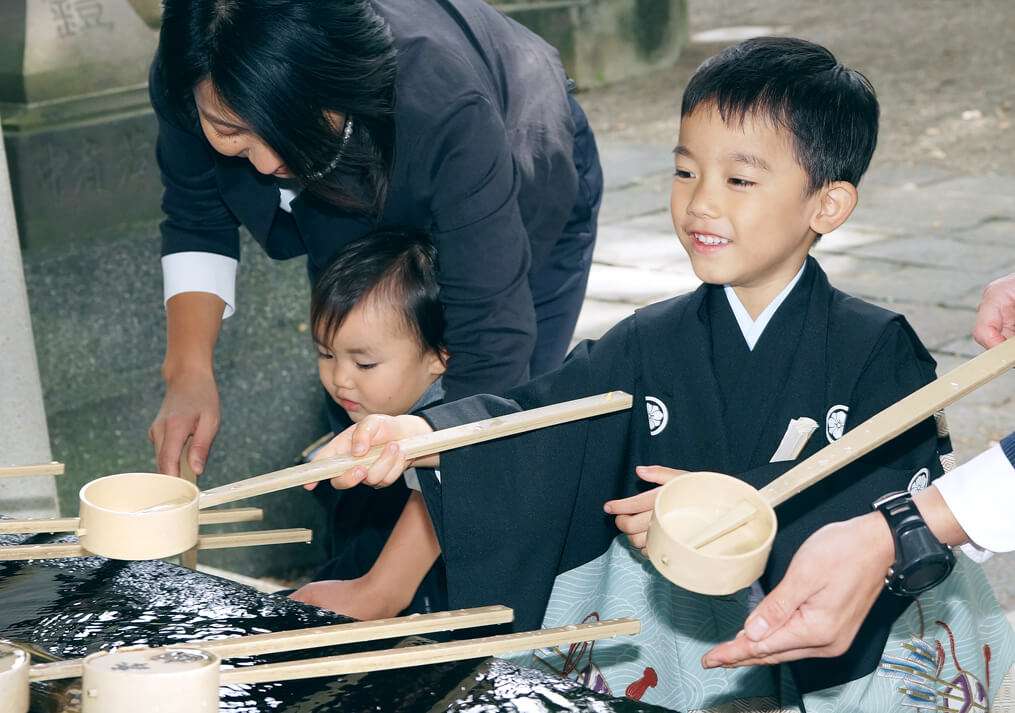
x=315 y=637
x=188 y=559
x=15 y=471
x=875 y=431
x=889 y=423
x=408 y=656
x=425 y=445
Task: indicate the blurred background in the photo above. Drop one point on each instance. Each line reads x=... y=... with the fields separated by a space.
x=936 y=219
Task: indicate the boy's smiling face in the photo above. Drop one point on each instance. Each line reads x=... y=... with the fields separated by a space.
x=741 y=206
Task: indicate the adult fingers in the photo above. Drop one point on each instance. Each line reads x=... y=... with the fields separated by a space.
x=741 y=651
x=987 y=331
x=778 y=606
x=200 y=444
x=176 y=433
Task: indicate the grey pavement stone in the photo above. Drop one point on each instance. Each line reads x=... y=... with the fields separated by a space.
x=939 y=208
x=637 y=286
x=940 y=250
x=645 y=197
x=889 y=283
x=597 y=317
x=936 y=325
x=625 y=163
x=998 y=394
x=851 y=236
x=999 y=230
x=623 y=245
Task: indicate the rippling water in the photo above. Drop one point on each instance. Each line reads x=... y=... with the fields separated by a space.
x=70 y=608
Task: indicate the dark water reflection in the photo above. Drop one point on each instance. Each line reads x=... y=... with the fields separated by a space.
x=70 y=608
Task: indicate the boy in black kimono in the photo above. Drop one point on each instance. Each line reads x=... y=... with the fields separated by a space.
x=774 y=138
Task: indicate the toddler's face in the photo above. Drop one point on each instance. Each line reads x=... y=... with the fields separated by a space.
x=374 y=363
x=739 y=201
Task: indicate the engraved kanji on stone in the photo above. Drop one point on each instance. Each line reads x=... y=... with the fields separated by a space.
x=90 y=14
x=65 y=18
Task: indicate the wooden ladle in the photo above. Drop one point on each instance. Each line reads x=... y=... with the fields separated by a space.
x=16 y=673
x=139 y=516
x=712 y=534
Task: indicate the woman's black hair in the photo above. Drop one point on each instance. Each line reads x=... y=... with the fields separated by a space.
x=830 y=110
x=396 y=265
x=280 y=65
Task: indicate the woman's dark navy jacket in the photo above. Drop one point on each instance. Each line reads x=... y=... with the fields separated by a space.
x=483 y=159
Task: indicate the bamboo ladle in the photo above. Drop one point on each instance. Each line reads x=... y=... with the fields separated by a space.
x=711 y=533
x=16 y=673
x=140 y=516
x=188 y=680
x=16 y=471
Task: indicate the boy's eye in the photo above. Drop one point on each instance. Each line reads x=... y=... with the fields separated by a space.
x=364 y=367
x=681 y=173
x=742 y=183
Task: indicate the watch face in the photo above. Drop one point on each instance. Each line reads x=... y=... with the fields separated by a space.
x=927 y=575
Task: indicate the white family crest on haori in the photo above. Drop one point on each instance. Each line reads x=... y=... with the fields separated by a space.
x=835 y=422
x=658 y=415
x=919 y=482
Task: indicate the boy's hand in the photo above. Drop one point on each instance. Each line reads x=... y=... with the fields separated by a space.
x=374 y=430
x=635 y=513
x=357 y=598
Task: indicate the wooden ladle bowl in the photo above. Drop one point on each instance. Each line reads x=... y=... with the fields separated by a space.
x=712 y=534
x=14 y=668
x=685 y=508
x=138 y=516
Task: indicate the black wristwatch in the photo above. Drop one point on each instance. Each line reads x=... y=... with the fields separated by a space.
x=921 y=561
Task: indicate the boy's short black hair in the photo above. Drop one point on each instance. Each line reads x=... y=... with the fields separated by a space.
x=831 y=110
x=398 y=265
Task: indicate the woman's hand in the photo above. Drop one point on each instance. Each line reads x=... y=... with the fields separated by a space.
x=635 y=513
x=191 y=404
x=995 y=319
x=357 y=598
x=817 y=608
x=375 y=430
x=190 y=407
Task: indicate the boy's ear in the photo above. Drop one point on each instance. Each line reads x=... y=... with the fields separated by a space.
x=835 y=204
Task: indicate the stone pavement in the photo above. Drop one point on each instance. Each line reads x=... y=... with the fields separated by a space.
x=922 y=243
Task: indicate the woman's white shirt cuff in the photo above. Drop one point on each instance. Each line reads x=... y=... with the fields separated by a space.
x=200 y=272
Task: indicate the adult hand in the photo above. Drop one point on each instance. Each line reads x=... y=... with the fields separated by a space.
x=375 y=430
x=817 y=608
x=189 y=408
x=995 y=318
x=635 y=513
x=357 y=598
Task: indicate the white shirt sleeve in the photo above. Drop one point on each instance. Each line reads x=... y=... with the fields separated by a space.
x=980 y=493
x=200 y=272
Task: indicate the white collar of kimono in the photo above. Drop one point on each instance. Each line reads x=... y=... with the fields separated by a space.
x=752 y=328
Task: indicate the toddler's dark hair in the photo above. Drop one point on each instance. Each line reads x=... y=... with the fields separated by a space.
x=398 y=265
x=830 y=110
